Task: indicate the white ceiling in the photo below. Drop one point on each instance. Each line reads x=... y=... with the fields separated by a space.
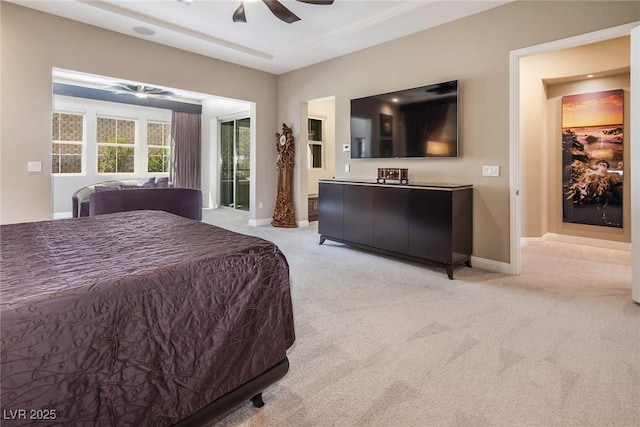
x=264 y=42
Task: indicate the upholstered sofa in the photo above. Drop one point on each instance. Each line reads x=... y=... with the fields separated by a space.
x=186 y=202
x=80 y=199
x=119 y=196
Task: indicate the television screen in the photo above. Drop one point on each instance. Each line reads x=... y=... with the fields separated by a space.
x=418 y=122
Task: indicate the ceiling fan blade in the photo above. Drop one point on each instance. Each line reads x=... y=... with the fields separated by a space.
x=280 y=11
x=133 y=89
x=128 y=88
x=156 y=91
x=239 y=15
x=320 y=2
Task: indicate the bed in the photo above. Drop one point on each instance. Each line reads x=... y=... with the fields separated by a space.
x=138 y=318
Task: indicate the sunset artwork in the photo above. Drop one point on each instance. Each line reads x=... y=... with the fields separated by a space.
x=593 y=157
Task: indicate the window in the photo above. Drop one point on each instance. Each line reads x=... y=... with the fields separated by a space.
x=316 y=143
x=116 y=140
x=315 y=130
x=158 y=146
x=67 y=143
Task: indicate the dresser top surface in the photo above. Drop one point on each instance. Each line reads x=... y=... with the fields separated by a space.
x=420 y=185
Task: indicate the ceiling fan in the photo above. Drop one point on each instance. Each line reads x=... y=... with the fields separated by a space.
x=142 y=91
x=278 y=9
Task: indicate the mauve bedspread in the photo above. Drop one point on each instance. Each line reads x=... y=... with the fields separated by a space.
x=135 y=318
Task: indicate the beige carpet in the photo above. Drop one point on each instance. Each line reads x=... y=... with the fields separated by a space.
x=383 y=342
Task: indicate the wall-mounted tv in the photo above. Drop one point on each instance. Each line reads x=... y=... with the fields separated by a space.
x=418 y=122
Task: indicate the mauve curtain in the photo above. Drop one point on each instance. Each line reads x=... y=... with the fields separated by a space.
x=185 y=150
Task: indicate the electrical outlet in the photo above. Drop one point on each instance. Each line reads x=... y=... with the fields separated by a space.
x=346 y=147
x=260 y=205
x=490 y=170
x=346 y=167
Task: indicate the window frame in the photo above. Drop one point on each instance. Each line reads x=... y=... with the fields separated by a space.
x=312 y=142
x=134 y=145
x=166 y=147
x=82 y=143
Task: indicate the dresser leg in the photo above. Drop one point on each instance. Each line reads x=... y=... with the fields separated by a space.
x=322 y=239
x=450 y=272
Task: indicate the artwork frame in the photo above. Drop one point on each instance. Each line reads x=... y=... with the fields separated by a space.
x=593 y=158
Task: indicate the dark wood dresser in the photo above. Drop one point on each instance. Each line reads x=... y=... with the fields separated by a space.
x=426 y=223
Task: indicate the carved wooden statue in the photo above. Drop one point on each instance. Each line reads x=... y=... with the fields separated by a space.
x=284 y=213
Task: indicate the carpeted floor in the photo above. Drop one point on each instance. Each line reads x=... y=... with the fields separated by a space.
x=384 y=342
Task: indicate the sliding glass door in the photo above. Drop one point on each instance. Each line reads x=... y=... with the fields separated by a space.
x=235 y=138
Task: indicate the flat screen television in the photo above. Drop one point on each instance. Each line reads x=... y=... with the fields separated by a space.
x=417 y=122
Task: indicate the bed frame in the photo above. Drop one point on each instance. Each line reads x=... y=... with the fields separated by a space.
x=251 y=390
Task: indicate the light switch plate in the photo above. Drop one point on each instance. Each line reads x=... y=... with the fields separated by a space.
x=34 y=166
x=346 y=167
x=490 y=170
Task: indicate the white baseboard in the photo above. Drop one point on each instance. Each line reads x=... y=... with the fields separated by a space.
x=532 y=240
x=267 y=221
x=578 y=240
x=488 y=264
x=259 y=222
x=62 y=215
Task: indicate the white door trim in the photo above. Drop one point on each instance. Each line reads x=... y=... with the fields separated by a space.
x=635 y=162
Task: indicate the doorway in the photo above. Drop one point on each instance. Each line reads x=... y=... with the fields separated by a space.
x=235 y=169
x=320 y=150
x=515 y=130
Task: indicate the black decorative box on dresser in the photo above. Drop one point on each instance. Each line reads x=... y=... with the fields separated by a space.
x=426 y=223
x=399 y=174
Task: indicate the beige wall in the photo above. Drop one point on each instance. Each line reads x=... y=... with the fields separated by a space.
x=544 y=79
x=32 y=43
x=475 y=51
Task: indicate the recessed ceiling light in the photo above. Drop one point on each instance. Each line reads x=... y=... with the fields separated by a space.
x=144 y=31
x=187 y=2
x=589 y=76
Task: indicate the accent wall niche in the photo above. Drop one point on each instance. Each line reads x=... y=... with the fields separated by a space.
x=545 y=80
x=142 y=117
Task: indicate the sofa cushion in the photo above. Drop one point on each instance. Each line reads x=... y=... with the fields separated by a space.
x=151 y=182
x=162 y=182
